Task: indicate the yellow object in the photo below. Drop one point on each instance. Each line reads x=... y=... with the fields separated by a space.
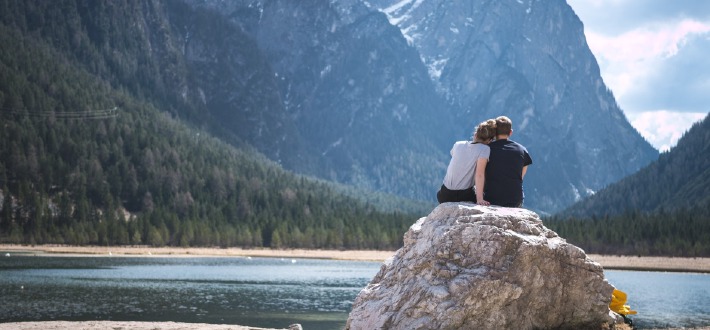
x=618 y=299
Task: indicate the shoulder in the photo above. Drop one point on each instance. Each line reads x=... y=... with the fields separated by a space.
x=524 y=151
x=459 y=145
x=468 y=145
x=484 y=151
x=518 y=145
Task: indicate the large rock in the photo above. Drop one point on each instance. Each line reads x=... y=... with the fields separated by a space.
x=475 y=267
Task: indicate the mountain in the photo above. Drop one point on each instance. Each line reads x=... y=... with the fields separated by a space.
x=664 y=209
x=379 y=90
x=197 y=66
x=115 y=118
x=370 y=94
x=678 y=180
x=359 y=96
x=528 y=60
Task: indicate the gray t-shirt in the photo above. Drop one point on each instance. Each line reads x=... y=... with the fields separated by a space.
x=462 y=168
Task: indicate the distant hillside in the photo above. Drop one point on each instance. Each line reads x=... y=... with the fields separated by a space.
x=664 y=209
x=96 y=148
x=679 y=179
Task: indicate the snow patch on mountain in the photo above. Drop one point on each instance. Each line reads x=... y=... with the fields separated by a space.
x=402 y=11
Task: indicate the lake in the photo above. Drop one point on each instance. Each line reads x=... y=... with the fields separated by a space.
x=261 y=292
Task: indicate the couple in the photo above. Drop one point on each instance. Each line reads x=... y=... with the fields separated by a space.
x=494 y=167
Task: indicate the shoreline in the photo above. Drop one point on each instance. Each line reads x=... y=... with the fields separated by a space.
x=663 y=264
x=143 y=325
x=149 y=251
x=133 y=325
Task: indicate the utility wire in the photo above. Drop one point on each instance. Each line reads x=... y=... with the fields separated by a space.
x=88 y=114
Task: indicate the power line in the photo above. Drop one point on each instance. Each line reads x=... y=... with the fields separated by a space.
x=87 y=114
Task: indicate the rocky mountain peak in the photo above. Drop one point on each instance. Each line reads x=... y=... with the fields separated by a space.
x=529 y=60
x=378 y=91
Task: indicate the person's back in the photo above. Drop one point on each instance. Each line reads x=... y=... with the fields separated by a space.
x=461 y=169
x=506 y=168
x=467 y=168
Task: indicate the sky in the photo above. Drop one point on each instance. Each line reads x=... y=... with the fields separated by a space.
x=654 y=55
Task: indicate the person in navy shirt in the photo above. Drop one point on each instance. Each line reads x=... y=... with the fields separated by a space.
x=507 y=164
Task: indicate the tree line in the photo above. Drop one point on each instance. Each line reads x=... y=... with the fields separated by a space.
x=142 y=175
x=678 y=179
x=664 y=209
x=115 y=182
x=684 y=232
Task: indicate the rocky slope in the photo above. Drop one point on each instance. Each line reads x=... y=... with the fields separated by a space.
x=367 y=93
x=528 y=60
x=359 y=96
x=379 y=90
x=678 y=180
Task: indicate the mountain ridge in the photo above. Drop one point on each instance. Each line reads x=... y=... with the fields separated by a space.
x=664 y=209
x=528 y=60
x=144 y=173
x=471 y=62
x=678 y=180
x=334 y=90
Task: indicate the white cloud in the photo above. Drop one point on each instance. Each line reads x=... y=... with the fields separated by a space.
x=652 y=55
x=628 y=58
x=652 y=41
x=614 y=17
x=663 y=128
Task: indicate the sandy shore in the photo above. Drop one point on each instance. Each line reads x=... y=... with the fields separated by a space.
x=668 y=264
x=146 y=251
x=676 y=264
x=120 y=325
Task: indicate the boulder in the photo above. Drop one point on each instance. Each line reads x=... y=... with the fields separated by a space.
x=466 y=266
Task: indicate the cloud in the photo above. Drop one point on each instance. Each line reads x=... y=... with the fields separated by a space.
x=618 y=16
x=680 y=82
x=630 y=58
x=647 y=42
x=663 y=128
x=653 y=56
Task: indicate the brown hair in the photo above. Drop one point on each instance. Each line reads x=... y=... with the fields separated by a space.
x=485 y=131
x=504 y=126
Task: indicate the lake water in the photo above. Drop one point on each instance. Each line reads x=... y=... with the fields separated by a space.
x=262 y=292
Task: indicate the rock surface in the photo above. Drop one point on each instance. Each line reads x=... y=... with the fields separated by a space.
x=474 y=267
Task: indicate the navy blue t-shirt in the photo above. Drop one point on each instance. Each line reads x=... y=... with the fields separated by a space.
x=504 y=173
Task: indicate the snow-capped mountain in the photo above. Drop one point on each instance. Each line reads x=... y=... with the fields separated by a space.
x=357 y=91
x=379 y=90
x=529 y=60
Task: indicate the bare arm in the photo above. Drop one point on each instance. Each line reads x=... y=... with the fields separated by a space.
x=480 y=180
x=525 y=170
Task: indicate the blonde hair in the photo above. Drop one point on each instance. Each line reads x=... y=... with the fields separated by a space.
x=485 y=131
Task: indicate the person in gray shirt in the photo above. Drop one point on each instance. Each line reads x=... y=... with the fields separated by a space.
x=467 y=167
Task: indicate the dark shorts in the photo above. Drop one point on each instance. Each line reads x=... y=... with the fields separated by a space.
x=447 y=195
